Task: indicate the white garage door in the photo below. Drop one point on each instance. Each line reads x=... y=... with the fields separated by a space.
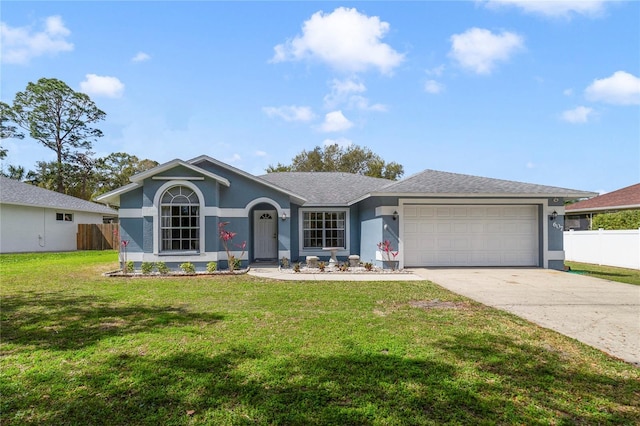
x=478 y=235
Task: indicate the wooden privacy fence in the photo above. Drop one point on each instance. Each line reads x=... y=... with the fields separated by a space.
x=97 y=236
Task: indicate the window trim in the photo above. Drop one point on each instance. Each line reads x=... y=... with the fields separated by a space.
x=318 y=251
x=157 y=217
x=170 y=208
x=64 y=217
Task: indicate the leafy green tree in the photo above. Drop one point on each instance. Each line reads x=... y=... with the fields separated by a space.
x=114 y=170
x=6 y=130
x=14 y=172
x=333 y=158
x=58 y=117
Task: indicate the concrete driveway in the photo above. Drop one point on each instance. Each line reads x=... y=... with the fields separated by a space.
x=600 y=313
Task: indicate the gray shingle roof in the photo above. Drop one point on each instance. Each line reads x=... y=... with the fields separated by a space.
x=326 y=187
x=343 y=188
x=441 y=183
x=20 y=193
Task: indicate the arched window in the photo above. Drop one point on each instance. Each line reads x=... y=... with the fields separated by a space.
x=180 y=220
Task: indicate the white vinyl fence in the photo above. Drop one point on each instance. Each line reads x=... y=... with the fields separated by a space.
x=612 y=248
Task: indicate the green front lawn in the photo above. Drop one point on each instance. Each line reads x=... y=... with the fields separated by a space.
x=78 y=349
x=623 y=275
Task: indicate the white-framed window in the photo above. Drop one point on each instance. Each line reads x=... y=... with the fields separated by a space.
x=64 y=217
x=179 y=220
x=324 y=229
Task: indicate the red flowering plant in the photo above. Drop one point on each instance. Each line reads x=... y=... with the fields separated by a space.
x=227 y=242
x=123 y=251
x=388 y=253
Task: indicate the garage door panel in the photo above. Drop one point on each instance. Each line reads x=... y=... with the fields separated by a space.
x=471 y=235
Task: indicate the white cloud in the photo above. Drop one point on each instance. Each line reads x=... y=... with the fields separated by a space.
x=290 y=112
x=235 y=158
x=260 y=154
x=577 y=115
x=437 y=71
x=341 y=142
x=345 y=39
x=555 y=8
x=335 y=122
x=140 y=57
x=98 y=85
x=567 y=92
x=479 y=49
x=433 y=87
x=347 y=92
x=621 y=88
x=21 y=44
x=530 y=165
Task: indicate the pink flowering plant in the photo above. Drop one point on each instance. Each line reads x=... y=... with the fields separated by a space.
x=227 y=242
x=388 y=253
x=123 y=252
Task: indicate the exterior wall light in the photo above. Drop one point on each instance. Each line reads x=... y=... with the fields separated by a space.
x=553 y=215
x=284 y=216
x=395 y=215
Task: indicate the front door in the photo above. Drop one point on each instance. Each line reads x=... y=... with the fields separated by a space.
x=265 y=235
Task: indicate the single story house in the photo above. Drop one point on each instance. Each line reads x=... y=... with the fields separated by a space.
x=172 y=213
x=579 y=215
x=34 y=219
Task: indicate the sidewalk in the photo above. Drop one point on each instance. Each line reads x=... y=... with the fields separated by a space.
x=273 y=272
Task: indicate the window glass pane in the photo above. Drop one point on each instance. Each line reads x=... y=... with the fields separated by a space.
x=180 y=220
x=323 y=229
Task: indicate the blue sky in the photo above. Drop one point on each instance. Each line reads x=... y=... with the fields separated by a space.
x=541 y=92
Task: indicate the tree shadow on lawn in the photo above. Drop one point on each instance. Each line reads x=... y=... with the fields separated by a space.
x=245 y=385
x=61 y=321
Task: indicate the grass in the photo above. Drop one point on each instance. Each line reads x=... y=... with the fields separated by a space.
x=80 y=348
x=623 y=275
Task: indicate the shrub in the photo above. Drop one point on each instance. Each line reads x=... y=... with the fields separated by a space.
x=147 y=267
x=188 y=268
x=626 y=219
x=368 y=266
x=344 y=267
x=296 y=267
x=285 y=262
x=212 y=267
x=163 y=269
x=129 y=267
x=322 y=266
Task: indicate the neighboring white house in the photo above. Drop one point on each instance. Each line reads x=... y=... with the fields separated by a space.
x=34 y=219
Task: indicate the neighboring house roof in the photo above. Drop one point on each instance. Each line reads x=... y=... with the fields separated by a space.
x=433 y=182
x=24 y=194
x=326 y=188
x=625 y=198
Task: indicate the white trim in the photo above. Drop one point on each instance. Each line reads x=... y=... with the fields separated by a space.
x=187 y=257
x=130 y=213
x=556 y=255
x=318 y=251
x=177 y=178
x=284 y=253
x=173 y=163
x=156 y=205
x=386 y=210
x=249 y=176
